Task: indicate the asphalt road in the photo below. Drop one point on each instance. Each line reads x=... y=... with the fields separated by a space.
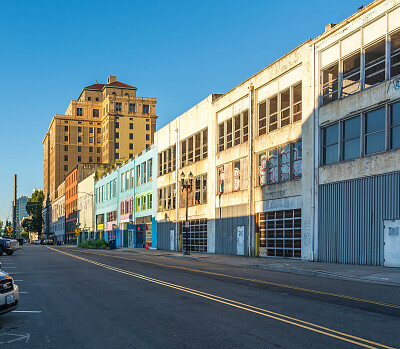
x=72 y=298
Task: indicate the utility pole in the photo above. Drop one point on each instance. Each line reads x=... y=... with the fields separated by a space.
x=15 y=205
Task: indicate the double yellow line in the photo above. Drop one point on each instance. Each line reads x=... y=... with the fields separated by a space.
x=263 y=312
x=307 y=290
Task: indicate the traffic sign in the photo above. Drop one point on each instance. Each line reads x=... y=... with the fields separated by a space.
x=10 y=229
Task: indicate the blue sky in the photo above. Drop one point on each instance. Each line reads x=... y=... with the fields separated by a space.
x=176 y=51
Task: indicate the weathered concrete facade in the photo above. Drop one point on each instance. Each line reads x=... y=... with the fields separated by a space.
x=357 y=157
x=325 y=114
x=239 y=131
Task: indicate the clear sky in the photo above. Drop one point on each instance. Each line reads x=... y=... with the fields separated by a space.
x=176 y=51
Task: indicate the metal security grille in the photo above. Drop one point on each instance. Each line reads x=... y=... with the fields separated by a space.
x=197 y=235
x=280 y=233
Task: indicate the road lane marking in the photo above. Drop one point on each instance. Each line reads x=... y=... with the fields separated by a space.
x=18 y=280
x=20 y=292
x=25 y=337
x=267 y=313
x=338 y=295
x=27 y=311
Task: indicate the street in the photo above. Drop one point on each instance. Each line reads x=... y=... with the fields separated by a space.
x=74 y=298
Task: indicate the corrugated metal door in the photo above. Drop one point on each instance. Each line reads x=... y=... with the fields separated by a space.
x=351 y=215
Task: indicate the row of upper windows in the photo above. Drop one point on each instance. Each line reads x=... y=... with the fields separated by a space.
x=280 y=164
x=194 y=148
x=131 y=125
x=167 y=161
x=95 y=112
x=361 y=70
x=112 y=216
x=67 y=158
x=144 y=174
x=91 y=129
x=233 y=131
x=142 y=203
x=79 y=139
x=106 y=192
x=280 y=110
x=90 y=98
x=132 y=108
x=98 y=150
x=365 y=134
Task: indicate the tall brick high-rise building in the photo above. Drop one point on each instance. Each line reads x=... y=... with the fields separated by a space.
x=106 y=123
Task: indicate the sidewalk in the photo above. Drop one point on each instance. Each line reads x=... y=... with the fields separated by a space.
x=359 y=273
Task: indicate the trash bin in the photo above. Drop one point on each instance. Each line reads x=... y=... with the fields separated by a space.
x=112 y=244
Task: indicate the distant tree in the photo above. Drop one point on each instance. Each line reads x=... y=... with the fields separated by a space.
x=25 y=235
x=34 y=208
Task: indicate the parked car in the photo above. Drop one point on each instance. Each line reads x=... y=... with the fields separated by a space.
x=49 y=242
x=9 y=295
x=8 y=246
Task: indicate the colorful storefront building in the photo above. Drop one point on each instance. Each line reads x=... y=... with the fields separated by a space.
x=124 y=203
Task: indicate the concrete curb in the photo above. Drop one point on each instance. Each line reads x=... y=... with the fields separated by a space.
x=328 y=275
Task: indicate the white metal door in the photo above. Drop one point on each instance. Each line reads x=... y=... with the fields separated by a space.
x=240 y=240
x=130 y=238
x=391 y=245
x=172 y=239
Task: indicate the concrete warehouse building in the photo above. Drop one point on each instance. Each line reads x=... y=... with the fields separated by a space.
x=301 y=160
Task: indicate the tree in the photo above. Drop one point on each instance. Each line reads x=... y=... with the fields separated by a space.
x=34 y=208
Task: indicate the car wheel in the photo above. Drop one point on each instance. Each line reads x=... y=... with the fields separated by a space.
x=9 y=253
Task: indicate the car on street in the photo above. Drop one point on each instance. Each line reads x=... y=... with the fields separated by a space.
x=9 y=246
x=9 y=295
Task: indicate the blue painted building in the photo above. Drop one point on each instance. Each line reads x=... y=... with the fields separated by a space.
x=124 y=206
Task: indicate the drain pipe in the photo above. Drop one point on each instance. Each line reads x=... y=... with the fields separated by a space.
x=314 y=152
x=250 y=169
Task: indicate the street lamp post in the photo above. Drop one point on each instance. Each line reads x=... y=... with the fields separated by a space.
x=186 y=183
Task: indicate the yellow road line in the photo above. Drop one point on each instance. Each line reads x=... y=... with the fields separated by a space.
x=273 y=315
x=356 y=299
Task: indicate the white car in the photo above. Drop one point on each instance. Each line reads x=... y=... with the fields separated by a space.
x=9 y=295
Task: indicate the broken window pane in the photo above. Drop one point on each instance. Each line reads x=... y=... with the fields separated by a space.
x=237 y=129
x=395 y=55
x=205 y=143
x=262 y=118
x=285 y=108
x=245 y=126
x=330 y=84
x=375 y=64
x=236 y=176
x=197 y=147
x=284 y=154
x=184 y=154
x=229 y=134
x=197 y=190
x=297 y=107
x=262 y=169
x=190 y=150
x=297 y=155
x=351 y=75
x=273 y=113
x=221 y=136
x=273 y=166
